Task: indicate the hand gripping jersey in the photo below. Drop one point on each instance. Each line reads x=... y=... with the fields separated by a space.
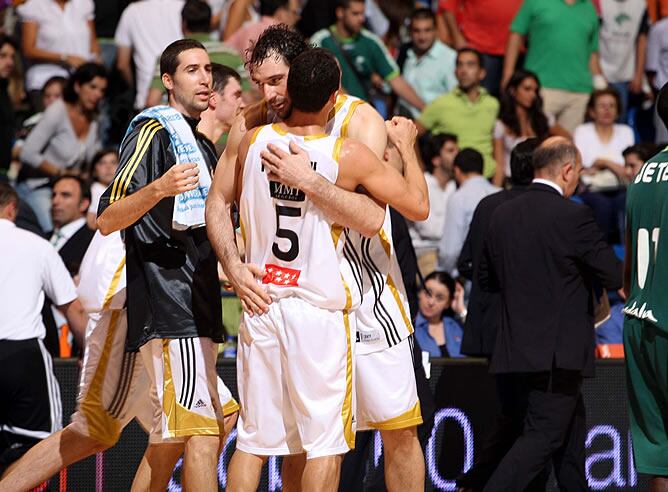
x=383 y=319
x=300 y=249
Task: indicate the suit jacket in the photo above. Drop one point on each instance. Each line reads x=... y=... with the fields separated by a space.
x=542 y=253
x=74 y=249
x=484 y=308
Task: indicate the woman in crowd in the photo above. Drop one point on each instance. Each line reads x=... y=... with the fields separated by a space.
x=437 y=327
x=601 y=140
x=57 y=36
x=103 y=169
x=64 y=140
x=521 y=116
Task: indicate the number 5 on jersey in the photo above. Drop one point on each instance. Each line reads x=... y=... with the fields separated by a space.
x=288 y=234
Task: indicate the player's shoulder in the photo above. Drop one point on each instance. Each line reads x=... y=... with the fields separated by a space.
x=144 y=135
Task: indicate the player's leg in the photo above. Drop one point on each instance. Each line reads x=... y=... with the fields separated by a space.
x=404 y=461
x=243 y=474
x=156 y=466
x=322 y=474
x=387 y=401
x=658 y=484
x=292 y=471
x=200 y=460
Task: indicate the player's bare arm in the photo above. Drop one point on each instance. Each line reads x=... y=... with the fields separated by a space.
x=368 y=126
x=225 y=190
x=129 y=209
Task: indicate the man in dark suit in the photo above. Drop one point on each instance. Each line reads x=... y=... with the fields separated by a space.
x=542 y=253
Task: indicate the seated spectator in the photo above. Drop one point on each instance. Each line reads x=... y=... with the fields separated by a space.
x=472 y=187
x=235 y=14
x=51 y=92
x=438 y=325
x=561 y=52
x=58 y=36
x=430 y=65
x=521 y=117
x=601 y=141
x=468 y=111
x=64 y=140
x=438 y=157
x=634 y=157
x=365 y=62
x=271 y=12
x=196 y=17
x=483 y=25
x=103 y=169
x=7 y=116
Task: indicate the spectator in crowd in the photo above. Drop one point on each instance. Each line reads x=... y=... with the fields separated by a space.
x=365 y=62
x=468 y=111
x=656 y=67
x=438 y=327
x=430 y=65
x=196 y=18
x=483 y=25
x=634 y=157
x=30 y=268
x=601 y=140
x=622 y=45
x=271 y=12
x=521 y=117
x=145 y=29
x=235 y=14
x=472 y=187
x=7 y=117
x=58 y=36
x=64 y=140
x=541 y=253
x=103 y=168
x=438 y=157
x=224 y=104
x=107 y=15
x=51 y=92
x=563 y=53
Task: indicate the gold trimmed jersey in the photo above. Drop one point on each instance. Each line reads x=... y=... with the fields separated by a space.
x=383 y=319
x=284 y=232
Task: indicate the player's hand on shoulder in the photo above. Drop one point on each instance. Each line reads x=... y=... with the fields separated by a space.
x=244 y=279
x=402 y=132
x=178 y=179
x=290 y=168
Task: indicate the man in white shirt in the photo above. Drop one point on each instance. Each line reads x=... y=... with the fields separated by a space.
x=30 y=407
x=144 y=31
x=656 y=67
x=438 y=156
x=473 y=187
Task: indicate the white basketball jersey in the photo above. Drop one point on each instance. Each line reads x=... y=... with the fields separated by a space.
x=300 y=249
x=383 y=319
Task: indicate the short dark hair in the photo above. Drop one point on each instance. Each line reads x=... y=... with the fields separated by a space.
x=221 y=75
x=643 y=150
x=473 y=51
x=422 y=14
x=469 y=161
x=433 y=148
x=608 y=91
x=314 y=76
x=521 y=161
x=83 y=186
x=279 y=41
x=169 y=60
x=6 y=39
x=8 y=194
x=269 y=7
x=554 y=155
x=196 y=16
x=98 y=157
x=346 y=3
x=56 y=79
x=82 y=75
x=662 y=104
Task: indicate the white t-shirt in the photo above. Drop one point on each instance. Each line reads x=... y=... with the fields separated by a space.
x=591 y=147
x=96 y=190
x=30 y=267
x=148 y=27
x=617 y=36
x=426 y=234
x=64 y=31
x=657 y=52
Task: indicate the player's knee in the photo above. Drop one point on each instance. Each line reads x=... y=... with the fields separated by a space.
x=92 y=444
x=400 y=438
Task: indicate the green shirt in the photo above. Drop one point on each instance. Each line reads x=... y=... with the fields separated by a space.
x=647 y=223
x=366 y=51
x=218 y=53
x=561 y=39
x=472 y=121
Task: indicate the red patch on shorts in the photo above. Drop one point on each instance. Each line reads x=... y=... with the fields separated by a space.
x=281 y=276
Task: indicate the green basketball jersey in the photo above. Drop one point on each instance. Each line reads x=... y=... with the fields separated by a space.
x=647 y=222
